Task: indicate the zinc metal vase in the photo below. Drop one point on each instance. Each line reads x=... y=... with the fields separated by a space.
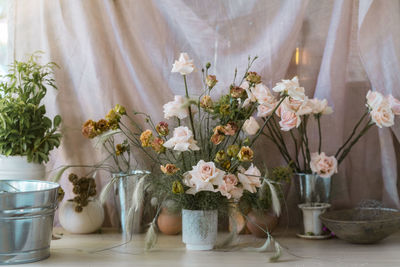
x=124 y=189
x=313 y=188
x=199 y=229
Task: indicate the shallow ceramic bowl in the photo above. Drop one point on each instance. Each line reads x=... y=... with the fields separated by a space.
x=362 y=225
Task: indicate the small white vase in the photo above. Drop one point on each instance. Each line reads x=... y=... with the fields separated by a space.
x=89 y=220
x=311 y=221
x=18 y=168
x=199 y=229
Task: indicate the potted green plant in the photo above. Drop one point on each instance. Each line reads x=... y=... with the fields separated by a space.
x=27 y=135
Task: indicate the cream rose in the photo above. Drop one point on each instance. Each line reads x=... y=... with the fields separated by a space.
x=394 y=104
x=251 y=126
x=262 y=94
x=374 y=99
x=323 y=165
x=176 y=108
x=250 y=178
x=382 y=115
x=291 y=87
x=320 y=106
x=184 y=65
x=265 y=109
x=203 y=177
x=289 y=119
x=250 y=97
x=182 y=140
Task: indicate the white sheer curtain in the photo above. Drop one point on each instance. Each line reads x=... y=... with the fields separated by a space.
x=122 y=51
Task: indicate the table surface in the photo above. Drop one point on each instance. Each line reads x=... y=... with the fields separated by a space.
x=95 y=250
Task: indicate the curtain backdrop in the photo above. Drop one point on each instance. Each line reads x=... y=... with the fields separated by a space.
x=121 y=51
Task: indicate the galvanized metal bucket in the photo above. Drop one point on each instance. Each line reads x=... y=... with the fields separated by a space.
x=313 y=188
x=26 y=220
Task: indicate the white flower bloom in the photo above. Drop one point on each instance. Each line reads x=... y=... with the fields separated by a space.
x=250 y=97
x=394 y=104
x=250 y=179
x=262 y=94
x=291 y=87
x=176 y=108
x=374 y=99
x=182 y=140
x=320 y=106
x=203 y=177
x=184 y=65
x=250 y=126
x=265 y=109
x=383 y=115
x=229 y=187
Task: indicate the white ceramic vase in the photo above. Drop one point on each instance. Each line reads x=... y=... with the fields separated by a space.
x=89 y=220
x=199 y=229
x=311 y=221
x=18 y=168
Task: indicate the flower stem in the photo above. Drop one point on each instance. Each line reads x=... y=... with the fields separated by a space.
x=352 y=134
x=189 y=108
x=319 y=133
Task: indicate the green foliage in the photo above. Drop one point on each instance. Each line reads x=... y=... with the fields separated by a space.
x=24 y=128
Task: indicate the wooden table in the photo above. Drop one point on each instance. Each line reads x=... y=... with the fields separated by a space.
x=91 y=250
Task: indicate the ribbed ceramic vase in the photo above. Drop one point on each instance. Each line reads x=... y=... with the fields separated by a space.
x=18 y=168
x=199 y=229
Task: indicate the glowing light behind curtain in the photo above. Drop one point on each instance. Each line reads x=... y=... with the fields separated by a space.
x=122 y=51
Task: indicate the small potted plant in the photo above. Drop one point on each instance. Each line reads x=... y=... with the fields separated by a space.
x=83 y=214
x=27 y=135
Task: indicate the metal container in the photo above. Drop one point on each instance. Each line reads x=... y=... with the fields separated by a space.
x=313 y=188
x=124 y=189
x=26 y=220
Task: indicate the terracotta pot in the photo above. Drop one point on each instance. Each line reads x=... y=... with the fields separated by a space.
x=169 y=223
x=265 y=220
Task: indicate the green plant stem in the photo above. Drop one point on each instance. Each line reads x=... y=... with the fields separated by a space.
x=279 y=141
x=189 y=108
x=297 y=163
x=302 y=149
x=348 y=149
x=319 y=133
x=352 y=134
x=306 y=140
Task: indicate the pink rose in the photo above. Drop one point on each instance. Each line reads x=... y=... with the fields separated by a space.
x=323 y=165
x=289 y=119
x=394 y=104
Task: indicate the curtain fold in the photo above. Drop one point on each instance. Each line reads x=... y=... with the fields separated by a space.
x=114 y=51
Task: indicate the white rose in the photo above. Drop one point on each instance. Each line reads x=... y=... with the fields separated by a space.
x=184 y=65
x=305 y=108
x=250 y=97
x=320 y=106
x=203 y=177
x=394 y=104
x=262 y=94
x=291 y=87
x=383 y=115
x=229 y=187
x=250 y=179
x=323 y=165
x=176 y=108
x=374 y=99
x=251 y=126
x=182 y=140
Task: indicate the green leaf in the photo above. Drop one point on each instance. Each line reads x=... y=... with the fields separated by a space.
x=57 y=121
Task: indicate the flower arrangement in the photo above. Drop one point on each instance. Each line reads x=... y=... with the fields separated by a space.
x=84 y=189
x=297 y=110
